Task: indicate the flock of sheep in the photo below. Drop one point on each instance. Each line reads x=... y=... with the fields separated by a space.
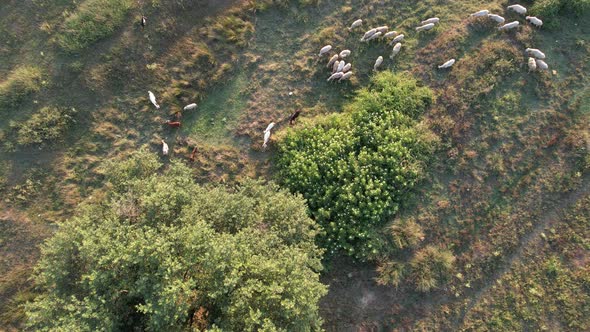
x=341 y=70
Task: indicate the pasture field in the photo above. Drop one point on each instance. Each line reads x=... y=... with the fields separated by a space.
x=506 y=190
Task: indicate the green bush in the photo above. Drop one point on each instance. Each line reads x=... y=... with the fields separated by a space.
x=549 y=10
x=160 y=249
x=20 y=83
x=356 y=167
x=47 y=125
x=91 y=22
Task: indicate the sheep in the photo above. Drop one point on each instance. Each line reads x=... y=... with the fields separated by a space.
x=344 y=54
x=433 y=20
x=346 y=68
x=164 y=148
x=190 y=107
x=173 y=124
x=325 y=50
x=532 y=64
x=382 y=29
x=396 y=39
x=153 y=99
x=395 y=50
x=269 y=127
x=480 y=13
x=266 y=139
x=333 y=59
x=335 y=67
x=542 y=65
x=497 y=18
x=390 y=34
x=355 y=24
x=341 y=65
x=535 y=21
x=345 y=76
x=375 y=35
x=335 y=76
x=535 y=52
x=143 y=21
x=447 y=64
x=293 y=117
x=517 y=8
x=425 y=27
x=193 y=154
x=368 y=34
x=378 y=63
x=509 y=26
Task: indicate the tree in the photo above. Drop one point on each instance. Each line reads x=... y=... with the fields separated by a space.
x=161 y=253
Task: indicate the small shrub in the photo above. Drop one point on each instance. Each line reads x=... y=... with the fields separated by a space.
x=20 y=83
x=407 y=234
x=431 y=267
x=47 y=125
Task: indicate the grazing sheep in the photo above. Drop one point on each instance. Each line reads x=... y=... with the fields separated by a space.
x=480 y=13
x=333 y=59
x=535 y=21
x=266 y=139
x=447 y=64
x=431 y=20
x=347 y=67
x=368 y=34
x=375 y=35
x=164 y=148
x=153 y=99
x=535 y=52
x=143 y=21
x=425 y=27
x=341 y=65
x=335 y=67
x=325 y=50
x=293 y=117
x=382 y=29
x=344 y=54
x=173 y=124
x=395 y=50
x=269 y=127
x=497 y=18
x=378 y=63
x=345 y=77
x=542 y=65
x=509 y=26
x=396 y=39
x=193 y=155
x=390 y=34
x=335 y=76
x=190 y=107
x=517 y=8
x=532 y=64
x=355 y=24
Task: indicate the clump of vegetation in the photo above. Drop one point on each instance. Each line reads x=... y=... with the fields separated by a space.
x=162 y=253
x=549 y=10
x=354 y=169
x=20 y=83
x=47 y=125
x=91 y=22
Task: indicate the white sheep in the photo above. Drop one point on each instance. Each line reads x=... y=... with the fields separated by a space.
x=346 y=67
x=395 y=50
x=482 y=12
x=375 y=35
x=333 y=59
x=335 y=76
x=532 y=64
x=535 y=21
x=535 y=52
x=447 y=64
x=266 y=139
x=517 y=8
x=355 y=24
x=390 y=34
x=335 y=67
x=345 y=76
x=542 y=64
x=378 y=63
x=509 y=26
x=368 y=34
x=431 y=20
x=497 y=18
x=190 y=107
x=382 y=29
x=341 y=65
x=396 y=39
x=425 y=27
x=153 y=99
x=164 y=148
x=325 y=50
x=344 y=54
x=269 y=127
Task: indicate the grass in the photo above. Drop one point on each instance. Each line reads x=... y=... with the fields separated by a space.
x=20 y=83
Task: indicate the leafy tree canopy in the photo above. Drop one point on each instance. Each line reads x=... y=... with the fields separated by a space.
x=161 y=253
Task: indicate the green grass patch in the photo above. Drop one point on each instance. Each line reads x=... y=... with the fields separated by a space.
x=47 y=125
x=20 y=83
x=92 y=21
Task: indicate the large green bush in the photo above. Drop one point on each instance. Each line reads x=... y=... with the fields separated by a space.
x=355 y=168
x=20 y=83
x=161 y=253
